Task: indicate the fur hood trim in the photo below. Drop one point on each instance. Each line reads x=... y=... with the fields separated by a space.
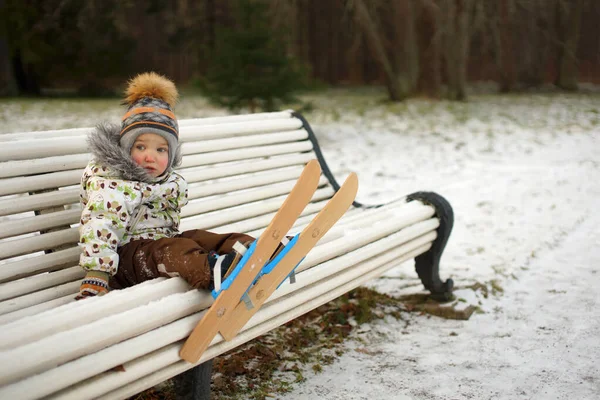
x=103 y=143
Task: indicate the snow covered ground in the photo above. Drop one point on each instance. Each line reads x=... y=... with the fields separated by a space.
x=523 y=176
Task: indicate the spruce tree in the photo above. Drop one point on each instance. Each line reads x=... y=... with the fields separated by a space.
x=250 y=66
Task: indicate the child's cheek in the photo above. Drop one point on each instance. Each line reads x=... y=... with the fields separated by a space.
x=137 y=159
x=163 y=162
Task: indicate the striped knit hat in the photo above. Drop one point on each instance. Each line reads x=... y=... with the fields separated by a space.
x=150 y=98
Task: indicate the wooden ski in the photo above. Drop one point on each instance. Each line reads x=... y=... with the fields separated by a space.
x=205 y=331
x=308 y=238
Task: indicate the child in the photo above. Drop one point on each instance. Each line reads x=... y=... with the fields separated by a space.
x=132 y=198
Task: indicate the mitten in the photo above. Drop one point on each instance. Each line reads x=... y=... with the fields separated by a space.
x=95 y=283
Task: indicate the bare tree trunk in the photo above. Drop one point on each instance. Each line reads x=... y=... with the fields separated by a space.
x=504 y=54
x=533 y=33
x=405 y=52
x=8 y=83
x=568 y=65
x=287 y=16
x=303 y=34
x=429 y=33
x=457 y=44
x=322 y=63
x=541 y=46
x=210 y=24
x=375 y=40
x=25 y=76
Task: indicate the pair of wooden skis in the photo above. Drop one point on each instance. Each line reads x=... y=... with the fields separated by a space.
x=228 y=314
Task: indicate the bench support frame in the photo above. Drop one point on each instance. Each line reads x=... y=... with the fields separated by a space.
x=194 y=384
x=428 y=263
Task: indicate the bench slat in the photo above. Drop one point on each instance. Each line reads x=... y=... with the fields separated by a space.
x=10 y=169
x=39 y=282
x=36 y=223
x=183 y=123
x=71 y=195
x=241 y=182
x=245 y=154
x=50 y=180
x=42 y=296
x=286 y=114
x=208 y=146
x=31 y=149
x=43 y=263
x=198 y=174
x=57 y=146
x=18 y=136
x=45 y=306
x=215 y=219
x=237 y=129
x=239 y=198
x=78 y=313
x=33 y=243
x=411 y=228
x=23 y=202
x=263 y=185
x=27 y=149
x=35 y=309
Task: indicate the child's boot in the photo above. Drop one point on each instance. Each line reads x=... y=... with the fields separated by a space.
x=222 y=265
x=281 y=246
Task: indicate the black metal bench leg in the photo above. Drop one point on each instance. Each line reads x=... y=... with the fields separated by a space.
x=428 y=263
x=194 y=384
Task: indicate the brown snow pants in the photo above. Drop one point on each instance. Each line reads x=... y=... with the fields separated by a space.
x=185 y=255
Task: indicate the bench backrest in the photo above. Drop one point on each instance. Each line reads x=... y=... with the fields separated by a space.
x=239 y=169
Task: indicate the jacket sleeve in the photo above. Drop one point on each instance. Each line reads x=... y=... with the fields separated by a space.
x=182 y=197
x=104 y=220
x=179 y=200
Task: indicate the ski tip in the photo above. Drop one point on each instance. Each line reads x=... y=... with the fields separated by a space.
x=313 y=164
x=189 y=355
x=351 y=182
x=352 y=177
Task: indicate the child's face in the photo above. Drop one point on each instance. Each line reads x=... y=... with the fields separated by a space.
x=151 y=152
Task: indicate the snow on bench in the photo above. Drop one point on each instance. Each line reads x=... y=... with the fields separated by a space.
x=239 y=170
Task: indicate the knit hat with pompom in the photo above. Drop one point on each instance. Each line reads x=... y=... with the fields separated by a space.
x=150 y=98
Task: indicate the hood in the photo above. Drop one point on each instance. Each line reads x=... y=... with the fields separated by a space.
x=103 y=143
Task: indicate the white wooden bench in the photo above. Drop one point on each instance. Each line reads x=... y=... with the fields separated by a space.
x=239 y=169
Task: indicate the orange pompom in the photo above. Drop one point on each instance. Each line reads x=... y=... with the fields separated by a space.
x=151 y=84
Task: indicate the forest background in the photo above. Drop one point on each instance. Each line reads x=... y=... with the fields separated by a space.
x=519 y=170
x=434 y=48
